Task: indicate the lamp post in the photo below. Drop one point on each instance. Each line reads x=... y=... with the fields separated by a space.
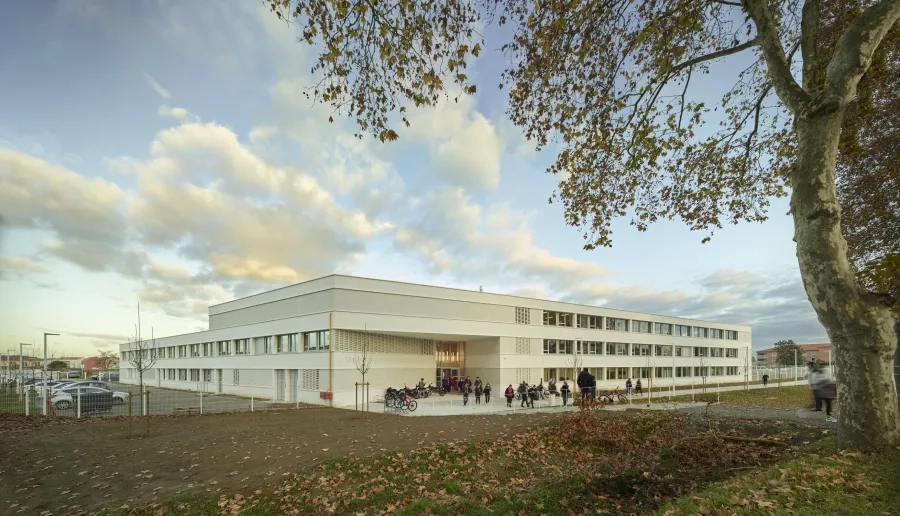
x=44 y=405
x=22 y=362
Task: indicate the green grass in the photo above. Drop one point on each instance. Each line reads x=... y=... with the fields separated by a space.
x=823 y=483
x=797 y=396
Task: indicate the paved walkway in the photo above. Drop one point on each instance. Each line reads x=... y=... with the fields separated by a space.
x=452 y=404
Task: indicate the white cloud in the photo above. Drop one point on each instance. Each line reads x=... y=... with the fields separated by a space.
x=162 y=92
x=177 y=113
x=471 y=157
x=19 y=266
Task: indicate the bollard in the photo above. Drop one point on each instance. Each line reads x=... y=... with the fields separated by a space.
x=251 y=402
x=27 y=404
x=78 y=404
x=201 y=402
x=147 y=394
x=718 y=392
x=46 y=399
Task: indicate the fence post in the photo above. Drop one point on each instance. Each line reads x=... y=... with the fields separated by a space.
x=78 y=403
x=129 y=414
x=251 y=401
x=201 y=402
x=147 y=394
x=27 y=404
x=46 y=398
x=718 y=392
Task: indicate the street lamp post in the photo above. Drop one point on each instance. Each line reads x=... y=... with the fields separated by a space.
x=22 y=362
x=44 y=406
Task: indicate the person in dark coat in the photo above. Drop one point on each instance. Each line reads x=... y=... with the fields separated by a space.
x=637 y=387
x=465 y=393
x=523 y=393
x=487 y=393
x=445 y=383
x=478 y=392
x=564 y=390
x=584 y=383
x=510 y=394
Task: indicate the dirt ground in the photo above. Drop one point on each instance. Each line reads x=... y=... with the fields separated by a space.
x=82 y=467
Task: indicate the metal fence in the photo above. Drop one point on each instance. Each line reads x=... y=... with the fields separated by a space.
x=128 y=400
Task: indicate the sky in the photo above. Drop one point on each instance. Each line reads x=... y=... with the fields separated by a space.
x=162 y=153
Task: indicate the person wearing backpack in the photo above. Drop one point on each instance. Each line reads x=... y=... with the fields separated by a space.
x=478 y=392
x=510 y=394
x=487 y=392
x=564 y=390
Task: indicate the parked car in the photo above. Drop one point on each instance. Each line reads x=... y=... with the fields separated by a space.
x=93 y=399
x=74 y=386
x=73 y=374
x=109 y=377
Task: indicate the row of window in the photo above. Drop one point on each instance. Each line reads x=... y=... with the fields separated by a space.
x=289 y=343
x=596 y=322
x=624 y=373
x=566 y=347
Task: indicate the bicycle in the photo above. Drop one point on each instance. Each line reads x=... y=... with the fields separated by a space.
x=613 y=397
x=405 y=402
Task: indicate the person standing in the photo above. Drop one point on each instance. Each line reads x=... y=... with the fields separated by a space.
x=523 y=392
x=827 y=392
x=814 y=377
x=487 y=393
x=628 y=387
x=510 y=393
x=478 y=393
x=765 y=380
x=465 y=391
x=584 y=383
x=445 y=384
x=478 y=382
x=637 y=387
x=564 y=390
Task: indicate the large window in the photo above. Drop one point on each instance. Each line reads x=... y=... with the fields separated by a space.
x=733 y=353
x=731 y=335
x=682 y=351
x=242 y=346
x=182 y=351
x=557 y=347
x=717 y=334
x=731 y=371
x=171 y=351
x=557 y=318
x=590 y=348
x=682 y=372
x=640 y=326
x=263 y=345
x=701 y=352
x=617 y=348
x=195 y=375
x=316 y=341
x=701 y=371
x=616 y=324
x=663 y=372
x=641 y=372
x=717 y=371
x=208 y=349
x=662 y=328
x=700 y=333
x=182 y=375
x=616 y=373
x=716 y=352
x=592 y=322
x=207 y=375
x=195 y=350
x=663 y=350
x=641 y=350
x=224 y=347
x=682 y=330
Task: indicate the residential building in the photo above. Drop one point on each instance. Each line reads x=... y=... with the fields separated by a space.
x=810 y=352
x=71 y=362
x=298 y=343
x=28 y=362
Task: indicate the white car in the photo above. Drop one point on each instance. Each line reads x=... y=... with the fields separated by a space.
x=63 y=400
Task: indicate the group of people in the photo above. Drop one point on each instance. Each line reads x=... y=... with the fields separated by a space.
x=467 y=387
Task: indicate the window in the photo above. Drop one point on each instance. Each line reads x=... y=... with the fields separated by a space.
x=731 y=335
x=208 y=349
x=731 y=371
x=591 y=322
x=195 y=375
x=733 y=353
x=682 y=372
x=663 y=372
x=171 y=375
x=182 y=351
x=701 y=371
x=640 y=326
x=716 y=352
x=683 y=351
x=616 y=373
x=616 y=324
x=523 y=315
x=640 y=350
x=182 y=375
x=716 y=371
x=590 y=347
x=663 y=351
x=224 y=347
x=662 y=328
x=236 y=376
x=195 y=350
x=700 y=333
x=557 y=347
x=617 y=348
x=641 y=372
x=553 y=373
x=596 y=371
x=557 y=319
x=717 y=334
x=171 y=352
x=681 y=330
x=701 y=352
x=316 y=341
x=263 y=345
x=207 y=375
x=293 y=345
x=282 y=343
x=242 y=346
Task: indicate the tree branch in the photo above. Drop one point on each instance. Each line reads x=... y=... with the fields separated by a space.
x=853 y=53
x=809 y=32
x=725 y=2
x=793 y=96
x=715 y=55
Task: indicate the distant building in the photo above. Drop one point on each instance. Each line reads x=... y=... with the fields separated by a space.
x=26 y=361
x=71 y=362
x=811 y=352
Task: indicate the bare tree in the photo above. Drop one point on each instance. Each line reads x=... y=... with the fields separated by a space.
x=107 y=361
x=576 y=360
x=142 y=353
x=363 y=361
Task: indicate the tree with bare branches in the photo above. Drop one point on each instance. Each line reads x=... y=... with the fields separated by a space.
x=142 y=354
x=613 y=82
x=363 y=361
x=107 y=361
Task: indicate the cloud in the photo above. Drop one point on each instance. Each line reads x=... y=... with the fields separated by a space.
x=177 y=113
x=19 y=266
x=162 y=92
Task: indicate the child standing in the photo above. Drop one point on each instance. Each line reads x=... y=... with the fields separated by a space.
x=487 y=393
x=465 y=393
x=478 y=392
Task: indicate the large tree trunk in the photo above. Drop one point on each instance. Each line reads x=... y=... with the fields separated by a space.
x=861 y=328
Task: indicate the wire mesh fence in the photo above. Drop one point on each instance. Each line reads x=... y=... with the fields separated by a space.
x=88 y=399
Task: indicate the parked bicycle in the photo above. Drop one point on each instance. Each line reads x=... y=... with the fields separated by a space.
x=404 y=401
x=613 y=396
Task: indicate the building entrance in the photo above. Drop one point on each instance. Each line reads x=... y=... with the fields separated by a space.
x=450 y=361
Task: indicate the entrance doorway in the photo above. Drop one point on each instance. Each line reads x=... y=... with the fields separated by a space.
x=450 y=361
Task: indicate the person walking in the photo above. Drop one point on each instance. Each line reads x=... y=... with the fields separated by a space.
x=628 y=387
x=478 y=382
x=637 y=388
x=478 y=392
x=584 y=383
x=532 y=395
x=814 y=378
x=487 y=392
x=510 y=394
x=564 y=390
x=765 y=380
x=452 y=384
x=523 y=392
x=827 y=393
x=445 y=384
x=465 y=391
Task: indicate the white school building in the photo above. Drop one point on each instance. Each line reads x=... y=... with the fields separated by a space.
x=298 y=343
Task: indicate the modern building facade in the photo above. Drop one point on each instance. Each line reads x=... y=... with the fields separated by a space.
x=809 y=353
x=298 y=343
